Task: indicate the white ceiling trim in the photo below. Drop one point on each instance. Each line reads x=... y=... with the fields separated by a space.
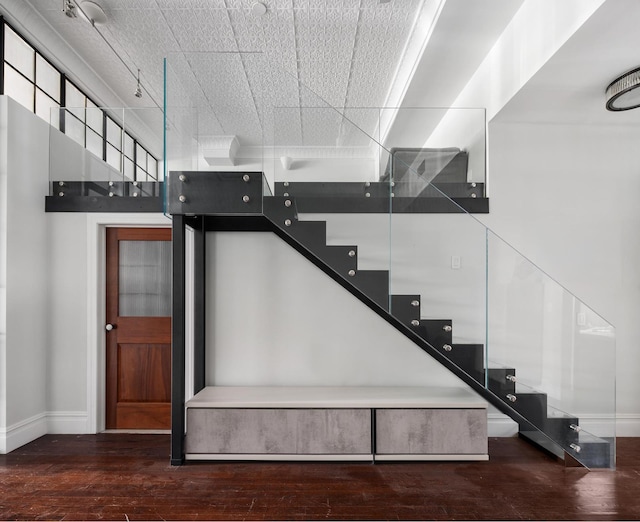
x=412 y=54
x=418 y=40
x=270 y=152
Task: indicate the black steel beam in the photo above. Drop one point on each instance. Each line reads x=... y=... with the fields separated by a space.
x=202 y=192
x=178 y=341
x=240 y=223
x=102 y=204
x=399 y=205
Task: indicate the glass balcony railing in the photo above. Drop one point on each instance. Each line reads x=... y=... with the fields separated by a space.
x=390 y=200
x=106 y=152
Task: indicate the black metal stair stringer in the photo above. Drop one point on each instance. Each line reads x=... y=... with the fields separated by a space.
x=464 y=361
x=276 y=224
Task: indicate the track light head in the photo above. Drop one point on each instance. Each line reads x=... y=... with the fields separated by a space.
x=69 y=8
x=138 y=93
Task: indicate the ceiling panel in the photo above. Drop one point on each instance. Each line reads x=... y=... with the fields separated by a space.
x=201 y=29
x=315 y=52
x=187 y=4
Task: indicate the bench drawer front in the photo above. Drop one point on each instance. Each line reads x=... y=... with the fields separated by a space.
x=431 y=432
x=278 y=431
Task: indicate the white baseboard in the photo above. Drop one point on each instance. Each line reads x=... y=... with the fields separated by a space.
x=22 y=432
x=628 y=425
x=67 y=422
x=499 y=425
x=28 y=430
x=76 y=422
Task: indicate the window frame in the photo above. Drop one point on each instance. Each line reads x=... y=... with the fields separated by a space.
x=139 y=174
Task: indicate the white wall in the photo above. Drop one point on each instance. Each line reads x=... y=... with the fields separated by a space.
x=67 y=303
x=76 y=344
x=23 y=276
x=418 y=251
x=274 y=318
x=51 y=291
x=565 y=196
x=278 y=320
x=76 y=162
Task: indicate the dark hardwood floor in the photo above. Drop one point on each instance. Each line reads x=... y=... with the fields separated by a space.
x=120 y=477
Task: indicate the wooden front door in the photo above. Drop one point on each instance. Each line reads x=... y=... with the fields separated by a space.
x=138 y=329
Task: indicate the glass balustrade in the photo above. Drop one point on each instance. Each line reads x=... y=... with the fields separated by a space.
x=106 y=152
x=214 y=121
x=391 y=201
x=560 y=349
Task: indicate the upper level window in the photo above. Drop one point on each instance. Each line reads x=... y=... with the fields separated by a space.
x=19 y=54
x=35 y=83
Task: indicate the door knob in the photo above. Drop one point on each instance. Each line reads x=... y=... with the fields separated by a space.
x=109 y=327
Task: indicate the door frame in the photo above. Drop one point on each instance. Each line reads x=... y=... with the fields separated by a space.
x=150 y=414
x=96 y=307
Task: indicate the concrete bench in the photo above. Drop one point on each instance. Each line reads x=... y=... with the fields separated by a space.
x=336 y=423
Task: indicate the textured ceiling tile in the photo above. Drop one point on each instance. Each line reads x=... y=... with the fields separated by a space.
x=223 y=81
x=190 y=4
x=143 y=32
x=127 y=4
x=201 y=30
x=280 y=39
x=236 y=4
x=46 y=5
x=142 y=38
x=301 y=4
x=246 y=31
x=272 y=5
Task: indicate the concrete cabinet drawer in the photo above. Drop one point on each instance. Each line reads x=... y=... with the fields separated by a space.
x=431 y=431
x=278 y=431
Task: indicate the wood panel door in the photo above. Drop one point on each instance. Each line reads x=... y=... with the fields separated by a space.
x=138 y=329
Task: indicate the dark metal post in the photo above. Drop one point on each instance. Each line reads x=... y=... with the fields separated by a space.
x=199 y=305
x=1 y=55
x=63 y=103
x=178 y=341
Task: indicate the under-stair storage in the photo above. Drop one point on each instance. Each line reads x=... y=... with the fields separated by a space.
x=336 y=423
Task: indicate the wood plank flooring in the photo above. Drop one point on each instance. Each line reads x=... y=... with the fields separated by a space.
x=128 y=477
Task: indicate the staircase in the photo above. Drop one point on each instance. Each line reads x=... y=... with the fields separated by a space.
x=209 y=201
x=553 y=430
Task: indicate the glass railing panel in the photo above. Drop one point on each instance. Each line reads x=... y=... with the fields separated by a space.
x=435 y=151
x=326 y=160
x=438 y=250
x=438 y=264
x=214 y=114
x=559 y=348
x=77 y=154
x=106 y=152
